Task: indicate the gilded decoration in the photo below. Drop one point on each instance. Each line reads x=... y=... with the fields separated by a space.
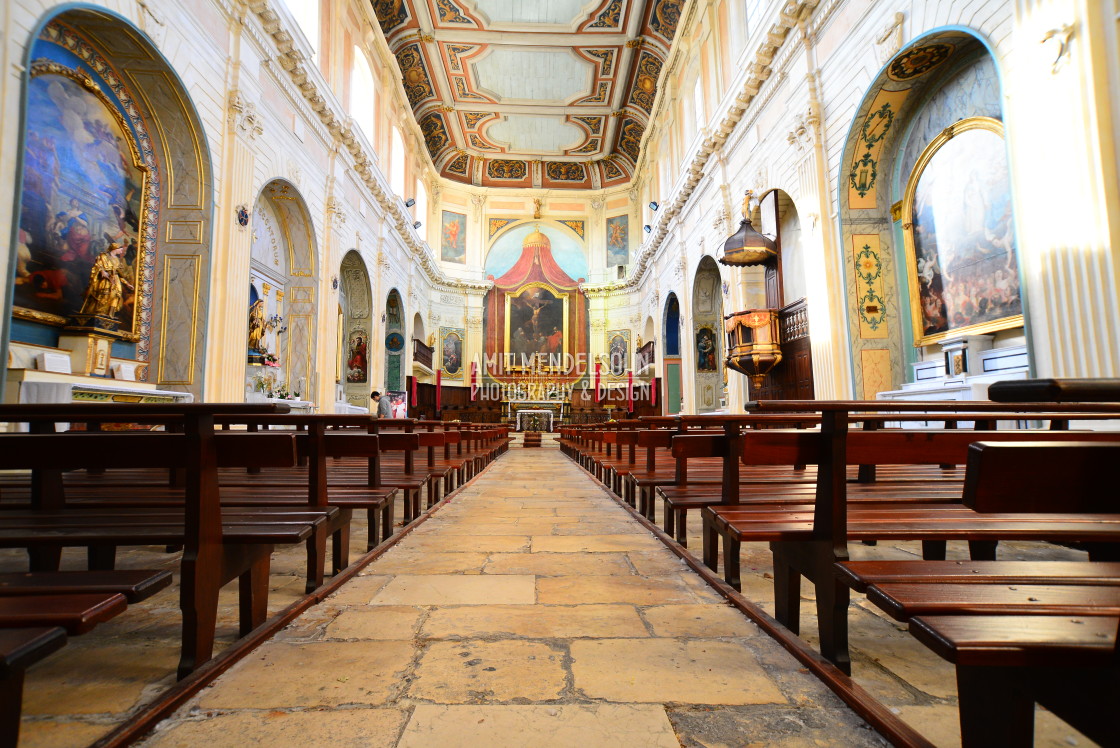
x=473 y=119
x=449 y=12
x=590 y=146
x=630 y=137
x=506 y=169
x=417 y=85
x=872 y=307
x=462 y=92
x=576 y=226
x=600 y=95
x=476 y=141
x=665 y=17
x=454 y=52
x=611 y=170
x=536 y=322
x=609 y=18
x=435 y=132
x=390 y=13
x=565 y=171
x=918 y=61
x=497 y=224
x=459 y=165
x=645 y=81
x=606 y=60
x=961 y=257
x=594 y=125
x=82 y=253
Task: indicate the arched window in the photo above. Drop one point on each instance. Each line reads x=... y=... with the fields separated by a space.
x=396 y=163
x=363 y=95
x=306 y=13
x=420 y=210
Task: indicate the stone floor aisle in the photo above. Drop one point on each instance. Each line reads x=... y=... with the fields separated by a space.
x=530 y=610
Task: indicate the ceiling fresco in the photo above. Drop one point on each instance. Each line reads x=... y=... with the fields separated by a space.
x=547 y=93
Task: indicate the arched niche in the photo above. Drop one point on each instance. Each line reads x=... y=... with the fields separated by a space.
x=671 y=360
x=418 y=330
x=394 y=342
x=282 y=270
x=356 y=328
x=920 y=97
x=707 y=334
x=111 y=151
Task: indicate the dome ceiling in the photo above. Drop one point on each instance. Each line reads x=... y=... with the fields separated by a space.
x=531 y=93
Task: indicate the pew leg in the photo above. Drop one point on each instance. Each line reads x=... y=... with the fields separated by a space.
x=388 y=515
x=787 y=592
x=253 y=595
x=711 y=545
x=682 y=527
x=101 y=557
x=11 y=704
x=316 y=558
x=982 y=550
x=340 y=548
x=46 y=558
x=832 y=615
x=982 y=694
x=198 y=599
x=373 y=527
x=933 y=550
x=670 y=519
x=731 y=548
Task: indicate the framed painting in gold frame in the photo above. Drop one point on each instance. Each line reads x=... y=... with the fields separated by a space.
x=83 y=208
x=451 y=345
x=536 y=323
x=961 y=260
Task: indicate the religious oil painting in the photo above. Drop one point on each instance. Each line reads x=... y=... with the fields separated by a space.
x=451 y=351
x=453 y=237
x=618 y=352
x=618 y=240
x=80 y=210
x=706 y=352
x=536 y=322
x=357 y=357
x=962 y=262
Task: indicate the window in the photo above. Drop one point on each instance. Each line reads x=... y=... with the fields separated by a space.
x=362 y=94
x=306 y=13
x=396 y=163
x=420 y=210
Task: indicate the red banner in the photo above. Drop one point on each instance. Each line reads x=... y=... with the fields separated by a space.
x=629 y=392
x=653 y=393
x=474 y=380
x=597 y=393
x=413 y=390
x=439 y=398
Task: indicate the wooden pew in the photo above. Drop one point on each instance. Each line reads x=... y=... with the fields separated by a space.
x=1019 y=632
x=217 y=549
x=20 y=648
x=807 y=538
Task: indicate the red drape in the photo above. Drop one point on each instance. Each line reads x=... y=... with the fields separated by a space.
x=439 y=398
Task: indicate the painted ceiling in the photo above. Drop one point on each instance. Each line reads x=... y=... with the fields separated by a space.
x=531 y=93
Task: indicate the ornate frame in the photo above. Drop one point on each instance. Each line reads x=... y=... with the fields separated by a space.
x=987 y=124
x=627 y=358
x=564 y=343
x=444 y=334
x=82 y=78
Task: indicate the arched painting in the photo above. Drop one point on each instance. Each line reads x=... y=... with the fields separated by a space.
x=82 y=207
x=960 y=241
x=357 y=357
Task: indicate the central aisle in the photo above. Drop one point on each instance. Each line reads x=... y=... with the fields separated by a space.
x=531 y=609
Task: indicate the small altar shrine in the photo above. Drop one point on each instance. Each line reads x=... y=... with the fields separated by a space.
x=534 y=415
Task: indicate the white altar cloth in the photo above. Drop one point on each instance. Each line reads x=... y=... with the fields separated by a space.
x=522 y=413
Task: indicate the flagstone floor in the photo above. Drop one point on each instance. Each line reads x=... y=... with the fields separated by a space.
x=530 y=610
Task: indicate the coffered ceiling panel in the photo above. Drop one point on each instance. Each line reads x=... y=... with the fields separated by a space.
x=531 y=93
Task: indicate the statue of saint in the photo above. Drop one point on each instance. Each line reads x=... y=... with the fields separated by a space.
x=105 y=294
x=256 y=326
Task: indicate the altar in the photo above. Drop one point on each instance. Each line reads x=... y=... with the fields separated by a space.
x=534 y=420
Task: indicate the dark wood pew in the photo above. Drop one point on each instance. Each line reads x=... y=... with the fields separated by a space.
x=20 y=648
x=216 y=549
x=806 y=539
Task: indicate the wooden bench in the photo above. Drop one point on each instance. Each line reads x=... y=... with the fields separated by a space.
x=20 y=648
x=217 y=548
x=807 y=538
